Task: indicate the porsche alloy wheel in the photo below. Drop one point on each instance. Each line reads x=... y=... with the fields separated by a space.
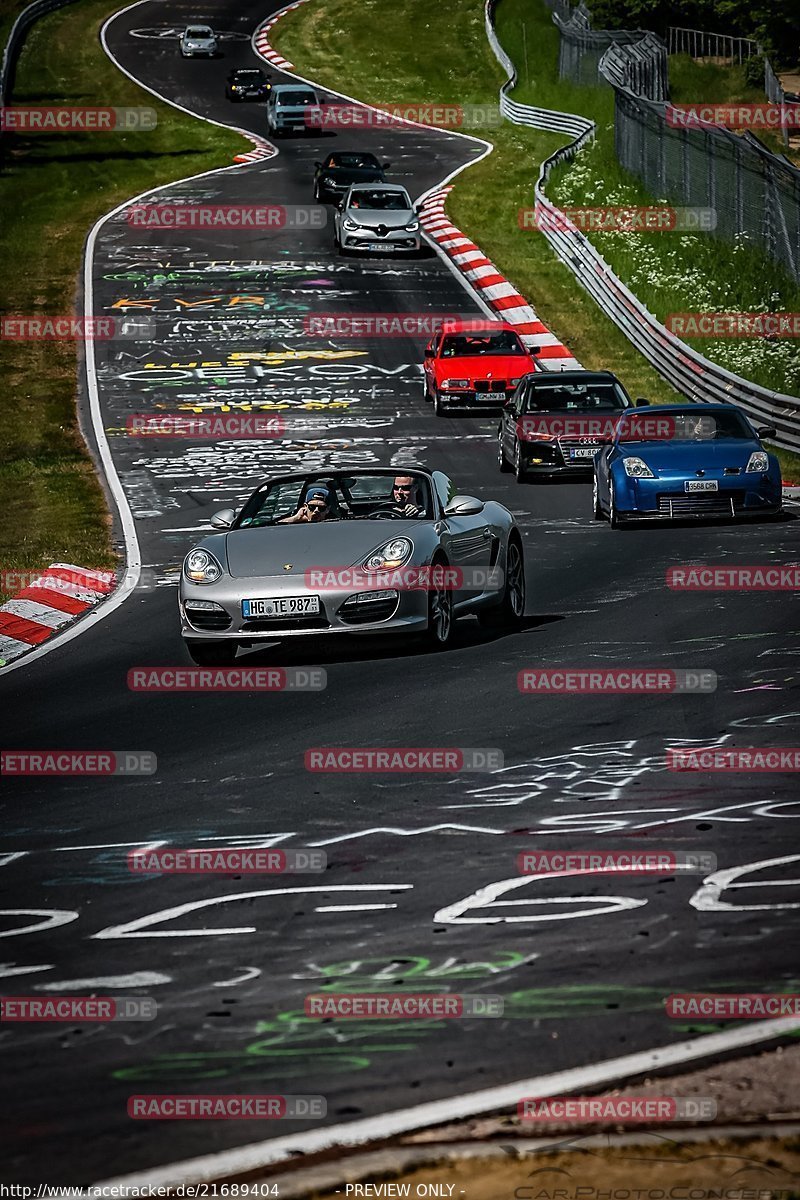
x=440 y=615
x=511 y=609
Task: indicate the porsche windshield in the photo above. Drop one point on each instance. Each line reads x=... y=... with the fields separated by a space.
x=576 y=397
x=470 y=345
x=352 y=497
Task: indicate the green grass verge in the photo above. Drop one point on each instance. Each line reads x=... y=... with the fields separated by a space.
x=425 y=61
x=52 y=190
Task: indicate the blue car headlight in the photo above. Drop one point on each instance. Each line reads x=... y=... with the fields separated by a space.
x=393 y=554
x=201 y=567
x=637 y=468
x=758 y=461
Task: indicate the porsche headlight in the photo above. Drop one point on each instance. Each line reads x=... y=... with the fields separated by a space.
x=637 y=468
x=349 y=223
x=201 y=567
x=758 y=461
x=394 y=554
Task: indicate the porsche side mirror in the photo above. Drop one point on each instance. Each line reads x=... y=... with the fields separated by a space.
x=224 y=518
x=641 y=402
x=767 y=431
x=464 y=506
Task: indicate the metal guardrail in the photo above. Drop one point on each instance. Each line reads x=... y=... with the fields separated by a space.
x=697 y=43
x=690 y=373
x=16 y=37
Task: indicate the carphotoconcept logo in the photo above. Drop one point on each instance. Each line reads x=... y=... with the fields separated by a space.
x=171 y=1107
x=229 y=426
x=734 y=115
x=733 y=1006
x=227 y=679
x=619 y=1109
x=758 y=758
x=745 y=578
x=622 y=862
x=77 y=1008
x=77 y=762
x=411 y=1006
x=414 y=760
x=632 y=218
x=734 y=324
x=230 y=861
x=547 y=681
x=20 y=118
x=230 y=218
x=43 y=328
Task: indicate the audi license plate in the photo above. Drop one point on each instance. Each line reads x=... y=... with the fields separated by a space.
x=701 y=485
x=584 y=452
x=285 y=606
x=493 y=397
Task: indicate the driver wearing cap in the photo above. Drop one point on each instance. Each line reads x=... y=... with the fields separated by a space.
x=316 y=507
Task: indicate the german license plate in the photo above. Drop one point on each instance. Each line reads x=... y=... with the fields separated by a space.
x=584 y=452
x=701 y=485
x=284 y=606
x=492 y=397
x=384 y=247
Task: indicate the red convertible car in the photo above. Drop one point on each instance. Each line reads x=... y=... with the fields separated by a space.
x=469 y=364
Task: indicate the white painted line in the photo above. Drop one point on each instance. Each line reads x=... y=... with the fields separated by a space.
x=352 y=907
x=227 y=1164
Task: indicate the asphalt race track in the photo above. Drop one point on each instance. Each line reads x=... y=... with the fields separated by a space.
x=583 y=965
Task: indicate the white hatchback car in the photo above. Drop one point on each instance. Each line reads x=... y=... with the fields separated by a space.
x=197 y=40
x=376 y=218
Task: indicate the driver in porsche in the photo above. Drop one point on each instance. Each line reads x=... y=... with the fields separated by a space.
x=405 y=497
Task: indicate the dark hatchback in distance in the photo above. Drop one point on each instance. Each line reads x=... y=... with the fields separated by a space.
x=553 y=423
x=247 y=84
x=333 y=177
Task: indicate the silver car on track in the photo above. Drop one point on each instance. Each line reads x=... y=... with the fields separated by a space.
x=199 y=41
x=376 y=218
x=350 y=552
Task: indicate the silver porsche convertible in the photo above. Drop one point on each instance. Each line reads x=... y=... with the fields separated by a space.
x=350 y=552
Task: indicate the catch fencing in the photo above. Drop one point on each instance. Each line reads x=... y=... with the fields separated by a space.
x=693 y=375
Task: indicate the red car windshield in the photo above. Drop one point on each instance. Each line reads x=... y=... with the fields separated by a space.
x=472 y=345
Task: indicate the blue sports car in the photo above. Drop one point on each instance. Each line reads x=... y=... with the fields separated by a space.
x=677 y=461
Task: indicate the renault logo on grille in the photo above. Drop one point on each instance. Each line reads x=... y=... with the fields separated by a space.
x=288 y=566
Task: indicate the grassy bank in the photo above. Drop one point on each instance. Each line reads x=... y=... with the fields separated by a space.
x=53 y=187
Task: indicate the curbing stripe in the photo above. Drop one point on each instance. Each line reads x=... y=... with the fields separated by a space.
x=52 y=600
